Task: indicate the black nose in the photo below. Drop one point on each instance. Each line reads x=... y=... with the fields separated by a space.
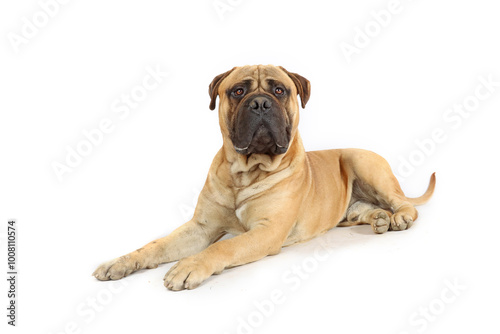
x=260 y=104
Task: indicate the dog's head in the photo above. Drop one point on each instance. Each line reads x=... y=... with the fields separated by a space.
x=258 y=107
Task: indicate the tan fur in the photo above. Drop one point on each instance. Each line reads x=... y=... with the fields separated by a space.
x=271 y=201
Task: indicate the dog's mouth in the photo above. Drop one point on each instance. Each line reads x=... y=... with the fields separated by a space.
x=260 y=126
x=263 y=141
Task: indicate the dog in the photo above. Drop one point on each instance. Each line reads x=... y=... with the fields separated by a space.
x=264 y=189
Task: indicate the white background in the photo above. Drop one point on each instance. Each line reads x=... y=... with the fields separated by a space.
x=141 y=181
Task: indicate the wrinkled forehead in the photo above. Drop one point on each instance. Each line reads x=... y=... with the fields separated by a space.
x=258 y=76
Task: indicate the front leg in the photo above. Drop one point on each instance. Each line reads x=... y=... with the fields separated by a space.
x=186 y=240
x=262 y=240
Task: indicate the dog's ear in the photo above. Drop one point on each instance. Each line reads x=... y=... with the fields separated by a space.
x=213 y=88
x=303 y=86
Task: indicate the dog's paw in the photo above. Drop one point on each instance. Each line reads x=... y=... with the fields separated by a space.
x=380 y=221
x=188 y=273
x=116 y=269
x=401 y=221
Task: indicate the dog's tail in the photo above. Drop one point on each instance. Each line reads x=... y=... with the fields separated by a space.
x=428 y=193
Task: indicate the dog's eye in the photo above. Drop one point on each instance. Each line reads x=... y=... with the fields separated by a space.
x=279 y=91
x=238 y=92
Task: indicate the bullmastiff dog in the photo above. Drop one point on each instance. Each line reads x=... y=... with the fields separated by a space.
x=264 y=189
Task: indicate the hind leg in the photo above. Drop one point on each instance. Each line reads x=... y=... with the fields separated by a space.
x=368 y=213
x=403 y=217
x=375 y=183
